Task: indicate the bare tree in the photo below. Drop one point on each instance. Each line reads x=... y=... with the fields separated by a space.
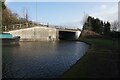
x=85 y=17
x=115 y=26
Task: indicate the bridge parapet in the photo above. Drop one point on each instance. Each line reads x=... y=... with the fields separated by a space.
x=37 y=33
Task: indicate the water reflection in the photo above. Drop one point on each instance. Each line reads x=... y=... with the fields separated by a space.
x=12 y=45
x=41 y=59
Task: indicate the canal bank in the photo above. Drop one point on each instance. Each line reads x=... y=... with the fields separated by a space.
x=100 y=61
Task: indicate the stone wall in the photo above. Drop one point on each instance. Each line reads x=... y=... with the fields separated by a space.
x=37 y=33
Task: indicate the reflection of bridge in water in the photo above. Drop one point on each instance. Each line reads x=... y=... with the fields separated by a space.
x=40 y=33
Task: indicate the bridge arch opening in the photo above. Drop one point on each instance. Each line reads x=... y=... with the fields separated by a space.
x=67 y=35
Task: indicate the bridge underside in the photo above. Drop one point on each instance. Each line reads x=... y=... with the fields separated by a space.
x=67 y=35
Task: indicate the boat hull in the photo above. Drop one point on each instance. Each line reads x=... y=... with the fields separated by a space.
x=9 y=41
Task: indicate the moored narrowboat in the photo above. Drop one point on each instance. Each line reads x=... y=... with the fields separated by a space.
x=9 y=39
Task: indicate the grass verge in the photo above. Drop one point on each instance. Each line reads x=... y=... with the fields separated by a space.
x=101 y=60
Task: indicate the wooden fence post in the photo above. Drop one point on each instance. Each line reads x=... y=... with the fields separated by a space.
x=5 y=28
x=20 y=26
x=26 y=24
x=13 y=27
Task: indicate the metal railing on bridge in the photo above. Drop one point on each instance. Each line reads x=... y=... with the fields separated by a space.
x=28 y=25
x=18 y=26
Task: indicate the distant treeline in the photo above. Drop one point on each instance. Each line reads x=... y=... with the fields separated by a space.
x=8 y=17
x=99 y=26
x=11 y=18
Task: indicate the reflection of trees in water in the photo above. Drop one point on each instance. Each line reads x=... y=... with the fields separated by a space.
x=12 y=45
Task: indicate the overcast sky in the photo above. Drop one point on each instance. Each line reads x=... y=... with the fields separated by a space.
x=66 y=13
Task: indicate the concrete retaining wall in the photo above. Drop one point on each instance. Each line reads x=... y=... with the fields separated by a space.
x=37 y=33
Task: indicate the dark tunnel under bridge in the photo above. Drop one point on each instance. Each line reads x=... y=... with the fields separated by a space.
x=68 y=35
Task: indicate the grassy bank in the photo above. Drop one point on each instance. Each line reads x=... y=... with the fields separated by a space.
x=101 y=60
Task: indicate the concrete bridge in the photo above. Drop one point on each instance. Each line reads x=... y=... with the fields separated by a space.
x=40 y=33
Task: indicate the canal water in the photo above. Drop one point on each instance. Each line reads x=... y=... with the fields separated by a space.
x=41 y=59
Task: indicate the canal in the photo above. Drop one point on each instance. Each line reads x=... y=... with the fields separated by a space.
x=41 y=59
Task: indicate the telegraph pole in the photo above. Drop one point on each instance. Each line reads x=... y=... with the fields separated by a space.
x=36 y=13
x=25 y=16
x=119 y=11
